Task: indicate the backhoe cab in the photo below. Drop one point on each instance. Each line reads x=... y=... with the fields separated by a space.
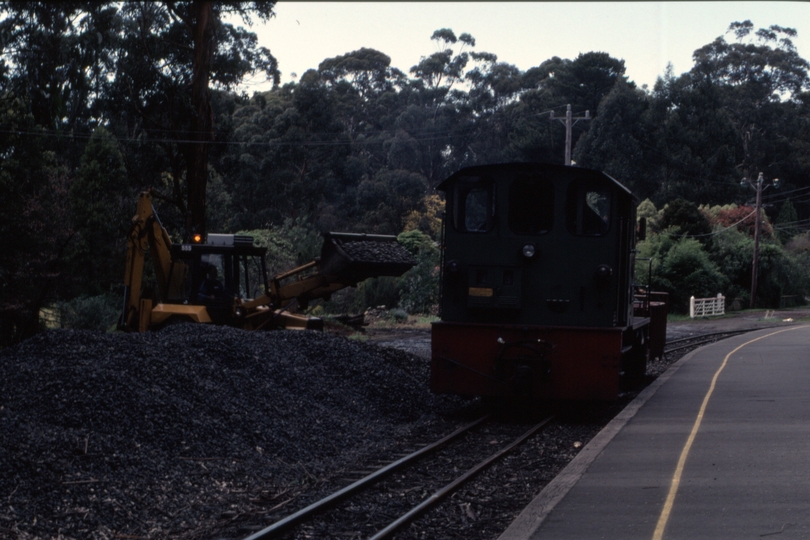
x=222 y=278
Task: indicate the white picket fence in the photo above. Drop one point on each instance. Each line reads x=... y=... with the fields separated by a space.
x=706 y=307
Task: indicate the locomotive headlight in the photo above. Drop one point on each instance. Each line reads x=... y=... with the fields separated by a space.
x=603 y=275
x=529 y=251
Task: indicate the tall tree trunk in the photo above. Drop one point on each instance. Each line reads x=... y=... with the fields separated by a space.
x=202 y=121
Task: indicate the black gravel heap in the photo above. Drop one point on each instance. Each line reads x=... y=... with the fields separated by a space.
x=369 y=251
x=157 y=434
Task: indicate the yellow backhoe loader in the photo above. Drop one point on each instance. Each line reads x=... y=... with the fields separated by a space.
x=222 y=278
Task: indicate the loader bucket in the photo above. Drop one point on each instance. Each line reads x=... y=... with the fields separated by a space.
x=355 y=257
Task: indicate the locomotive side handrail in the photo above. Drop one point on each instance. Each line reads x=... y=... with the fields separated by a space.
x=643 y=294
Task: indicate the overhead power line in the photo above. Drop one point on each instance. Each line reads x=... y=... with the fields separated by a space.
x=714 y=233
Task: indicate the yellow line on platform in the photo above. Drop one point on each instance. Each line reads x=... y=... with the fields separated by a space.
x=676 y=478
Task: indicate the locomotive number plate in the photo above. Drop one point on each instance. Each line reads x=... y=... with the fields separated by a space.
x=482 y=292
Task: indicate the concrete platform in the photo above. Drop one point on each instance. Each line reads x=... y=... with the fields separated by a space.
x=718 y=447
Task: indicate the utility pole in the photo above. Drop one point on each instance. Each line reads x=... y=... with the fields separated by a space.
x=756 y=242
x=759 y=187
x=569 y=122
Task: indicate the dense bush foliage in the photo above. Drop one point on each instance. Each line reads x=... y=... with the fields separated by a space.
x=722 y=261
x=419 y=286
x=90 y=312
x=683 y=269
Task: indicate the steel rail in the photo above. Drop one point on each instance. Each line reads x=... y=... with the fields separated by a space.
x=699 y=336
x=695 y=344
x=726 y=332
x=364 y=482
x=455 y=484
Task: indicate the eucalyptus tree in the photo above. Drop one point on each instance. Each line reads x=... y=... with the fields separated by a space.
x=445 y=67
x=35 y=224
x=731 y=116
x=100 y=211
x=290 y=157
x=439 y=116
x=58 y=56
x=618 y=141
x=550 y=86
x=367 y=94
x=55 y=61
x=586 y=80
x=757 y=78
x=170 y=55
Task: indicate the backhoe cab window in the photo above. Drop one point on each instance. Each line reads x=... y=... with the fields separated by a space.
x=531 y=205
x=213 y=279
x=588 y=208
x=474 y=205
x=252 y=286
x=214 y=260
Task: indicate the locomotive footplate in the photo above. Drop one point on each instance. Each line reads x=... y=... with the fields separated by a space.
x=538 y=361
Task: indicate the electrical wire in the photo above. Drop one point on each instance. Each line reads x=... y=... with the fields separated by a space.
x=714 y=233
x=309 y=142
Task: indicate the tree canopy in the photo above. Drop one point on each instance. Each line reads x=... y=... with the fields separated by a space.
x=101 y=100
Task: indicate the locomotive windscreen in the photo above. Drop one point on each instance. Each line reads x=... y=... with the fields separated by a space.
x=588 y=208
x=474 y=204
x=531 y=205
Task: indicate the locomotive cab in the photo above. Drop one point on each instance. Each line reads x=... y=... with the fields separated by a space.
x=536 y=284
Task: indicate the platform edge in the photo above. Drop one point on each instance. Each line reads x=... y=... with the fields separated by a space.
x=532 y=517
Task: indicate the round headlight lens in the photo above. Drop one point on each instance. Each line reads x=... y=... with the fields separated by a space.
x=529 y=251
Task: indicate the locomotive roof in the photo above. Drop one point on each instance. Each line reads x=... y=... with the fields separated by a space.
x=495 y=168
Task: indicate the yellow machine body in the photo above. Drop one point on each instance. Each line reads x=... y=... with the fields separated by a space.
x=248 y=299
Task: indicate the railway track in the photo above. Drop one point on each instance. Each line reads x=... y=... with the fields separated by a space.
x=386 y=500
x=391 y=497
x=703 y=339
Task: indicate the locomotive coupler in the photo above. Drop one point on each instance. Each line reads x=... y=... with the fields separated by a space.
x=522 y=364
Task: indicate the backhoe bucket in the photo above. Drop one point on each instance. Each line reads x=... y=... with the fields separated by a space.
x=355 y=257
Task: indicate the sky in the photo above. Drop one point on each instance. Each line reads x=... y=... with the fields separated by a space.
x=646 y=35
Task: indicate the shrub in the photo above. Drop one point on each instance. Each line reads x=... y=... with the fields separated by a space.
x=375 y=292
x=733 y=251
x=686 y=218
x=303 y=237
x=646 y=209
x=90 y=312
x=655 y=248
x=785 y=223
x=281 y=254
x=419 y=286
x=398 y=315
x=799 y=244
x=780 y=274
x=683 y=269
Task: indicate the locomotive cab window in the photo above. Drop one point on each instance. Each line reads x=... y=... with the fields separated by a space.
x=588 y=208
x=474 y=204
x=531 y=205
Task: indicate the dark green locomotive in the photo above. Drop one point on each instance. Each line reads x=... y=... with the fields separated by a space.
x=537 y=292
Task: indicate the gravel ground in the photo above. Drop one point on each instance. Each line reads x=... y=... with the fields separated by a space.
x=188 y=432
x=160 y=435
